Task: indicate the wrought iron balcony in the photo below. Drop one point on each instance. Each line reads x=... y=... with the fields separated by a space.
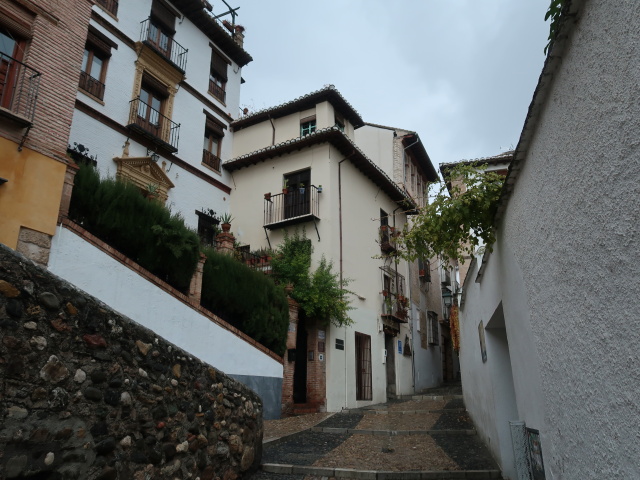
x=110 y=6
x=19 y=85
x=153 y=36
x=211 y=160
x=91 y=85
x=387 y=235
x=217 y=91
x=150 y=123
x=395 y=305
x=292 y=207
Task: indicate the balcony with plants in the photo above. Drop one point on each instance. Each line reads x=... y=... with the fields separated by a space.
x=19 y=86
x=387 y=236
x=292 y=206
x=395 y=305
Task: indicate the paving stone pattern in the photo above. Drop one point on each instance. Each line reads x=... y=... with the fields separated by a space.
x=423 y=437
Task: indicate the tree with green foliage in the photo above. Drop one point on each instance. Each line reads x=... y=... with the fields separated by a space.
x=319 y=293
x=554 y=12
x=458 y=218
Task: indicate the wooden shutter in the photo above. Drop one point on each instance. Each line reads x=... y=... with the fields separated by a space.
x=163 y=15
x=218 y=65
x=215 y=126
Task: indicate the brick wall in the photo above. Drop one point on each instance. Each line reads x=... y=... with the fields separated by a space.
x=58 y=34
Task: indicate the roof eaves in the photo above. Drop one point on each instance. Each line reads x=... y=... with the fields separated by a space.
x=413 y=142
x=545 y=81
x=343 y=143
x=330 y=92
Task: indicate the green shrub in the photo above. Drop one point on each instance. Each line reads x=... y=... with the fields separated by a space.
x=143 y=230
x=247 y=299
x=319 y=292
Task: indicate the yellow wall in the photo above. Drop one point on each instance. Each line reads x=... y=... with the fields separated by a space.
x=31 y=197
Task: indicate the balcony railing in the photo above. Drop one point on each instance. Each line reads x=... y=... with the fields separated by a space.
x=394 y=302
x=217 y=91
x=91 y=85
x=292 y=207
x=211 y=160
x=19 y=85
x=153 y=125
x=388 y=237
x=110 y=6
x=152 y=35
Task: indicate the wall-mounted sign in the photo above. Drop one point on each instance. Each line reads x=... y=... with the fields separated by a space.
x=400 y=346
x=322 y=334
x=339 y=344
x=321 y=357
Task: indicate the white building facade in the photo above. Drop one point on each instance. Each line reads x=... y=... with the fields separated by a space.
x=549 y=328
x=159 y=85
x=349 y=210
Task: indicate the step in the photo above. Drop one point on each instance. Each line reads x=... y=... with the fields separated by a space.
x=379 y=475
x=353 y=431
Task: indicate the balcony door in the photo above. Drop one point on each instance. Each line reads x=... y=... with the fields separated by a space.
x=297 y=200
x=150 y=111
x=10 y=51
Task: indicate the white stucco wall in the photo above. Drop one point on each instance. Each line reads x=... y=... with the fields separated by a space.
x=98 y=274
x=566 y=265
x=190 y=192
x=377 y=144
x=361 y=204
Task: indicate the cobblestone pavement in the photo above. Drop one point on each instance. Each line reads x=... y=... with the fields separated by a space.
x=424 y=436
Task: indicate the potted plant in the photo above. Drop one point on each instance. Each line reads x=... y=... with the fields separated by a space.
x=152 y=191
x=285 y=186
x=267 y=196
x=301 y=188
x=225 y=221
x=319 y=188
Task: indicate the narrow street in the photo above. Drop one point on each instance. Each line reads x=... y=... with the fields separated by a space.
x=421 y=437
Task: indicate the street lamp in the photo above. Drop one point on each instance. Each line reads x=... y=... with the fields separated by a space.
x=447 y=298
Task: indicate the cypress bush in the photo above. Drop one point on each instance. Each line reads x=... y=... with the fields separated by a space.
x=143 y=230
x=247 y=299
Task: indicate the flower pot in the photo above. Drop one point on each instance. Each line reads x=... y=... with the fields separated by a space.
x=285 y=190
x=267 y=196
x=226 y=227
x=319 y=188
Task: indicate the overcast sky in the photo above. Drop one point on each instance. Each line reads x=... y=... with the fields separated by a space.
x=461 y=73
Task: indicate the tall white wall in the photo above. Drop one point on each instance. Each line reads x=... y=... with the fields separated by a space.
x=566 y=265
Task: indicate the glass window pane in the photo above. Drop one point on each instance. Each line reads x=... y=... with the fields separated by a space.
x=96 y=68
x=85 y=59
x=7 y=44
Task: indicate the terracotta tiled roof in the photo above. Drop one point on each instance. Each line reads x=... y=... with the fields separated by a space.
x=340 y=141
x=329 y=93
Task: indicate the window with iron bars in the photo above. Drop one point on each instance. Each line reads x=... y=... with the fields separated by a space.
x=432 y=328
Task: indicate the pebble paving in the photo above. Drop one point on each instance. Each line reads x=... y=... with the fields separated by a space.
x=415 y=434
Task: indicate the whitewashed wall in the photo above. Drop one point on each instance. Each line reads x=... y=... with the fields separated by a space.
x=566 y=266
x=124 y=290
x=361 y=203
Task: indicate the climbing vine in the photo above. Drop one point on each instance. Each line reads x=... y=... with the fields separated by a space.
x=458 y=218
x=554 y=13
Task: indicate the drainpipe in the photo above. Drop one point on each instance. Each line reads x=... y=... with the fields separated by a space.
x=341 y=270
x=273 y=134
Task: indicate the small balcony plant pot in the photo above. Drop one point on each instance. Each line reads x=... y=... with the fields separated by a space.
x=226 y=227
x=385 y=293
x=319 y=188
x=267 y=196
x=285 y=190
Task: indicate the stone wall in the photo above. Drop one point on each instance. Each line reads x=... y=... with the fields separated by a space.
x=90 y=394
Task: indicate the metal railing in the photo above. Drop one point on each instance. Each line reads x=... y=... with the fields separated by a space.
x=152 y=123
x=91 y=85
x=211 y=160
x=19 y=85
x=165 y=45
x=291 y=206
x=110 y=6
x=388 y=237
x=217 y=91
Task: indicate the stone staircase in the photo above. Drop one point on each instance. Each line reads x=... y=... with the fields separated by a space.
x=428 y=436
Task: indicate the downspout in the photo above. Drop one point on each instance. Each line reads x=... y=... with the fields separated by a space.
x=341 y=269
x=273 y=134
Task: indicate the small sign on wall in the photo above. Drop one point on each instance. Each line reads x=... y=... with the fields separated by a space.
x=321 y=357
x=321 y=334
x=400 y=347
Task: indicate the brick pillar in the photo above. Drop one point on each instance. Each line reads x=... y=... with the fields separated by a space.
x=195 y=287
x=225 y=242
x=316 y=368
x=67 y=189
x=288 y=368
